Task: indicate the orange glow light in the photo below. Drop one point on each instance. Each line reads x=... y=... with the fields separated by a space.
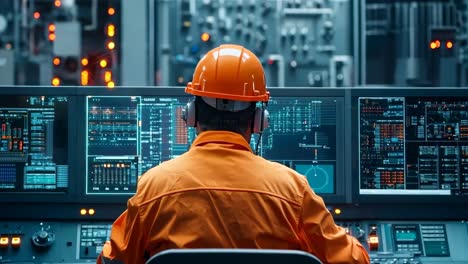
x=103 y=63
x=84 y=78
x=51 y=27
x=433 y=45
x=56 y=61
x=337 y=211
x=108 y=76
x=449 y=44
x=205 y=37
x=83 y=212
x=437 y=42
x=111 y=11
x=16 y=241
x=110 y=30
x=91 y=211
x=58 y=3
x=4 y=241
x=84 y=61
x=55 y=81
x=36 y=15
x=111 y=45
x=52 y=36
x=373 y=240
x=111 y=84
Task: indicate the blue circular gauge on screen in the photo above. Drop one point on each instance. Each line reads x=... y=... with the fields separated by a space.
x=320 y=177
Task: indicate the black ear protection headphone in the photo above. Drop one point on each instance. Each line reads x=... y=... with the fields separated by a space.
x=259 y=123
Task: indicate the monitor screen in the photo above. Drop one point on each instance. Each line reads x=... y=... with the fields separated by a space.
x=34 y=144
x=302 y=136
x=128 y=135
x=413 y=145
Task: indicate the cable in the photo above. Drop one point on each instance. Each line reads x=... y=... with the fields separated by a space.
x=258 y=143
x=264 y=106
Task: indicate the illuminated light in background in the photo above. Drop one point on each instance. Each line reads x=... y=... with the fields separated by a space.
x=337 y=211
x=111 y=11
x=8 y=46
x=91 y=211
x=56 y=61
x=84 y=61
x=111 y=45
x=103 y=63
x=84 y=77
x=180 y=79
x=433 y=45
x=36 y=15
x=111 y=84
x=52 y=37
x=437 y=42
x=51 y=27
x=108 y=76
x=56 y=81
x=449 y=44
x=83 y=211
x=58 y=3
x=187 y=24
x=110 y=30
x=205 y=37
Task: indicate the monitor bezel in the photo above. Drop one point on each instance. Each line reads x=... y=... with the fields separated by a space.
x=354 y=94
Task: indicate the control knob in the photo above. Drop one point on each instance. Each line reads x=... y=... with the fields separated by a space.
x=43 y=238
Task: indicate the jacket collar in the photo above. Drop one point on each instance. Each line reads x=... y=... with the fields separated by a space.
x=221 y=137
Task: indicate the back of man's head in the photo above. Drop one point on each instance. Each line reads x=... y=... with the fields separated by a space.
x=223 y=114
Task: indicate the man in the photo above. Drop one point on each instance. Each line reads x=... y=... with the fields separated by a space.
x=220 y=194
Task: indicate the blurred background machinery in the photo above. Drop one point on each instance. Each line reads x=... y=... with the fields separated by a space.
x=301 y=43
x=59 y=42
x=413 y=43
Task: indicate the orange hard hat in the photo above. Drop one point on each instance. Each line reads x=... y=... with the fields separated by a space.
x=229 y=72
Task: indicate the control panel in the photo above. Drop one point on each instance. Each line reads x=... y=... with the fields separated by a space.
x=386 y=242
x=411 y=242
x=52 y=242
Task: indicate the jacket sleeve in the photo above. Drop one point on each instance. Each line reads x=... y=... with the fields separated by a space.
x=323 y=238
x=127 y=241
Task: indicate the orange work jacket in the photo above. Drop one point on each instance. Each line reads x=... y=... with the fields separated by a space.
x=221 y=195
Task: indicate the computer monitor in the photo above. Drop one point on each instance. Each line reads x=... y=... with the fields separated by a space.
x=412 y=143
x=34 y=144
x=302 y=136
x=127 y=134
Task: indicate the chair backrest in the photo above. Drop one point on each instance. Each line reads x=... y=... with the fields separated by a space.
x=227 y=256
